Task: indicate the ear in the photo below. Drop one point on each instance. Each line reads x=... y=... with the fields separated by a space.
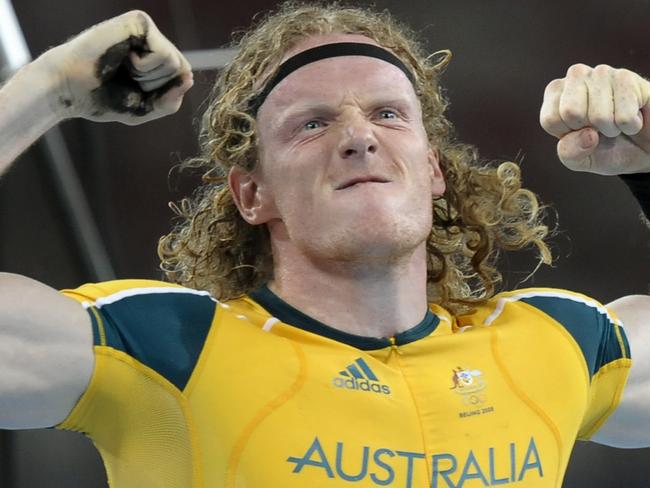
x=249 y=196
x=437 y=178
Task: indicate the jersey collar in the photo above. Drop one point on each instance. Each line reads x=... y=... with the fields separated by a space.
x=292 y=316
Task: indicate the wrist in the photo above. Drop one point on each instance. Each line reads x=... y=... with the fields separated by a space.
x=26 y=110
x=37 y=91
x=52 y=86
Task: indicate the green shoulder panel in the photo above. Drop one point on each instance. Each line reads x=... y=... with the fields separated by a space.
x=599 y=337
x=162 y=327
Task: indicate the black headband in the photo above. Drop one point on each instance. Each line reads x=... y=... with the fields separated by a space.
x=322 y=52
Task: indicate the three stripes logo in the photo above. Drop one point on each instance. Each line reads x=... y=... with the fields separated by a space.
x=359 y=376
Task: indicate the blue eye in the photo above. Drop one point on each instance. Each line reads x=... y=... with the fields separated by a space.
x=313 y=124
x=387 y=114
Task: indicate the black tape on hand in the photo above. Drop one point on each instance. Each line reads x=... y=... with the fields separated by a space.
x=119 y=90
x=639 y=185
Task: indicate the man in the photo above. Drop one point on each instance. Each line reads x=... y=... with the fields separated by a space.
x=349 y=210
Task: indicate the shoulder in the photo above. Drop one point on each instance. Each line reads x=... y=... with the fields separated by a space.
x=593 y=326
x=563 y=305
x=117 y=289
x=145 y=301
x=161 y=325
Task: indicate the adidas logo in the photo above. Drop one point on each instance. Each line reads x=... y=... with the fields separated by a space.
x=359 y=376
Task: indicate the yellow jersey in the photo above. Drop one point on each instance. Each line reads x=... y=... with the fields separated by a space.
x=189 y=392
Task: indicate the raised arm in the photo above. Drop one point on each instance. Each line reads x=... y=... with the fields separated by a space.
x=45 y=353
x=120 y=70
x=629 y=425
x=601 y=117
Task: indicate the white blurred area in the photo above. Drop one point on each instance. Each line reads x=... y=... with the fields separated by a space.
x=14 y=52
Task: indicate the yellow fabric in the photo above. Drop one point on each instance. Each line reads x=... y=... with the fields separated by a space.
x=139 y=424
x=468 y=406
x=605 y=395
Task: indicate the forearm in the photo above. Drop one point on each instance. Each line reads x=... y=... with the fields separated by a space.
x=27 y=110
x=84 y=78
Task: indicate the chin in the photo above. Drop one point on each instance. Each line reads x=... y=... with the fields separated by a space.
x=370 y=242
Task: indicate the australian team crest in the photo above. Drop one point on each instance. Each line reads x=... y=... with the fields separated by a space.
x=469 y=384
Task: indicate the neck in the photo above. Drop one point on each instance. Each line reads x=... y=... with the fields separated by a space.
x=373 y=299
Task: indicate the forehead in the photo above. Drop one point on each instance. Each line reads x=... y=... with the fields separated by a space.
x=331 y=79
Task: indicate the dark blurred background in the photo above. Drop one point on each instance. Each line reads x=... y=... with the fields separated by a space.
x=505 y=52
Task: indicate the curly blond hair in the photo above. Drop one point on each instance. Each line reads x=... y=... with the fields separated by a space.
x=484 y=209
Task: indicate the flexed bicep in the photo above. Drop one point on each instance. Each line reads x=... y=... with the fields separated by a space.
x=46 y=356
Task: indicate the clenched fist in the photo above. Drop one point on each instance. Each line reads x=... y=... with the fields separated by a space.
x=601 y=117
x=121 y=70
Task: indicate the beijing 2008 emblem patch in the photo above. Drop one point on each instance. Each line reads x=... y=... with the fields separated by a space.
x=470 y=385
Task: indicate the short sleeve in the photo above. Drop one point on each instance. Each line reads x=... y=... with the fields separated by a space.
x=148 y=337
x=601 y=338
x=162 y=326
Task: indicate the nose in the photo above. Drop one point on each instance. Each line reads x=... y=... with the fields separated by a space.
x=357 y=139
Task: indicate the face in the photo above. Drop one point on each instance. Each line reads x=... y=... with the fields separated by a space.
x=345 y=169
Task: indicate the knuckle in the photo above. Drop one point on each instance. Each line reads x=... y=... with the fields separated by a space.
x=629 y=125
x=624 y=76
x=624 y=119
x=571 y=112
x=550 y=123
x=554 y=86
x=138 y=20
x=139 y=15
x=602 y=70
x=578 y=70
x=545 y=120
